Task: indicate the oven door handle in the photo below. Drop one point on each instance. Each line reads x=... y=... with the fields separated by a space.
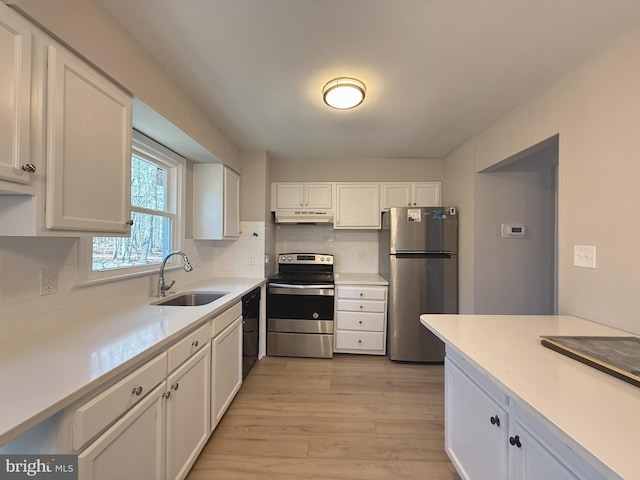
x=287 y=289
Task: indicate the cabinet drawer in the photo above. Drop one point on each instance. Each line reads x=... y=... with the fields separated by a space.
x=98 y=413
x=360 y=321
x=364 y=293
x=189 y=345
x=359 y=340
x=361 y=306
x=225 y=319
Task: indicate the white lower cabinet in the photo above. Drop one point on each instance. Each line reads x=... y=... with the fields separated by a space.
x=161 y=436
x=226 y=367
x=530 y=459
x=488 y=435
x=152 y=422
x=133 y=448
x=361 y=319
x=476 y=427
x=187 y=401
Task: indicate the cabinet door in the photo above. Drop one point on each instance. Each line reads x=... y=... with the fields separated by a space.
x=396 y=195
x=187 y=413
x=132 y=448
x=226 y=371
x=357 y=205
x=426 y=194
x=231 y=204
x=88 y=148
x=530 y=460
x=318 y=195
x=15 y=101
x=290 y=195
x=475 y=428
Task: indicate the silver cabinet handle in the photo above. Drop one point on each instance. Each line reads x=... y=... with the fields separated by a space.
x=28 y=167
x=137 y=391
x=194 y=343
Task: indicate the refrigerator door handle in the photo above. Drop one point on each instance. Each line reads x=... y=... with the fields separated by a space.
x=424 y=254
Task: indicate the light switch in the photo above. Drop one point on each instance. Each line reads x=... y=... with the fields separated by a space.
x=584 y=256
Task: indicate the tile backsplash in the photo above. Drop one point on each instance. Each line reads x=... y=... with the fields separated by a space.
x=355 y=251
x=22 y=258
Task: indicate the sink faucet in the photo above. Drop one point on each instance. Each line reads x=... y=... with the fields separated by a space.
x=162 y=286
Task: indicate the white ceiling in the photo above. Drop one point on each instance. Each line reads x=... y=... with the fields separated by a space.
x=437 y=71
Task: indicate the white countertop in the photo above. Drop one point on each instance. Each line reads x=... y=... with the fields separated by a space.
x=359 y=279
x=85 y=346
x=596 y=414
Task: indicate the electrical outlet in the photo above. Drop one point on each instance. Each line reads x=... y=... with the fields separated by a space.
x=48 y=281
x=584 y=256
x=361 y=255
x=252 y=260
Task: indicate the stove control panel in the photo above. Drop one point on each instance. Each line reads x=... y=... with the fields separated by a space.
x=305 y=258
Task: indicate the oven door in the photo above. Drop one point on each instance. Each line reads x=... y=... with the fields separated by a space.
x=300 y=320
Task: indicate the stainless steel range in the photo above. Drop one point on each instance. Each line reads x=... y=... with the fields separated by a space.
x=300 y=305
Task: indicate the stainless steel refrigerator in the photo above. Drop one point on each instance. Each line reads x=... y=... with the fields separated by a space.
x=418 y=256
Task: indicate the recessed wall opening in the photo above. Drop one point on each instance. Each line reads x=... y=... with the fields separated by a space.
x=517 y=274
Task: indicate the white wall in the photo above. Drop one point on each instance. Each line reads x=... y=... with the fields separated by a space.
x=459 y=191
x=595 y=109
x=355 y=169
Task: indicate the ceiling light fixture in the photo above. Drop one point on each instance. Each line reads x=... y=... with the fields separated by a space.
x=343 y=93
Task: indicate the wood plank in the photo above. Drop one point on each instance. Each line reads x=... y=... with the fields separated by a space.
x=353 y=417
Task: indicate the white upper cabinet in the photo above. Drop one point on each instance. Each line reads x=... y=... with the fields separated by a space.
x=216 y=202
x=15 y=101
x=88 y=148
x=406 y=194
x=303 y=195
x=357 y=205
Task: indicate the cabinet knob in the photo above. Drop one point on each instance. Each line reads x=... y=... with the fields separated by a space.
x=359 y=341
x=515 y=441
x=361 y=307
x=137 y=391
x=166 y=395
x=175 y=386
x=28 y=167
x=495 y=420
x=129 y=222
x=194 y=343
x=360 y=322
x=361 y=294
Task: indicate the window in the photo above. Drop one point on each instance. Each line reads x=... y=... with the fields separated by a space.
x=155 y=192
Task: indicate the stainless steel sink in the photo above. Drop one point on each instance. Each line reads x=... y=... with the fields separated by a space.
x=190 y=299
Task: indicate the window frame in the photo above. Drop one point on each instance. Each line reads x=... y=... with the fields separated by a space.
x=175 y=165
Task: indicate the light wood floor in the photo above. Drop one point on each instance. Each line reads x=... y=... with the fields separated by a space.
x=354 y=417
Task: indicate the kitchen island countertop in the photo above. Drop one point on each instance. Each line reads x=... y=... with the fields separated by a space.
x=78 y=349
x=595 y=414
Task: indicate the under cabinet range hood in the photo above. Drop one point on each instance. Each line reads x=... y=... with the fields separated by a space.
x=304 y=216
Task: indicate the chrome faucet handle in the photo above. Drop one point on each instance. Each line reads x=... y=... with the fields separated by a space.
x=168 y=287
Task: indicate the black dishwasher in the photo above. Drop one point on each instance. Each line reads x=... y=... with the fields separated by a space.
x=250 y=330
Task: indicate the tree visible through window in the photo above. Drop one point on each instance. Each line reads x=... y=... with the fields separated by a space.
x=152 y=215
